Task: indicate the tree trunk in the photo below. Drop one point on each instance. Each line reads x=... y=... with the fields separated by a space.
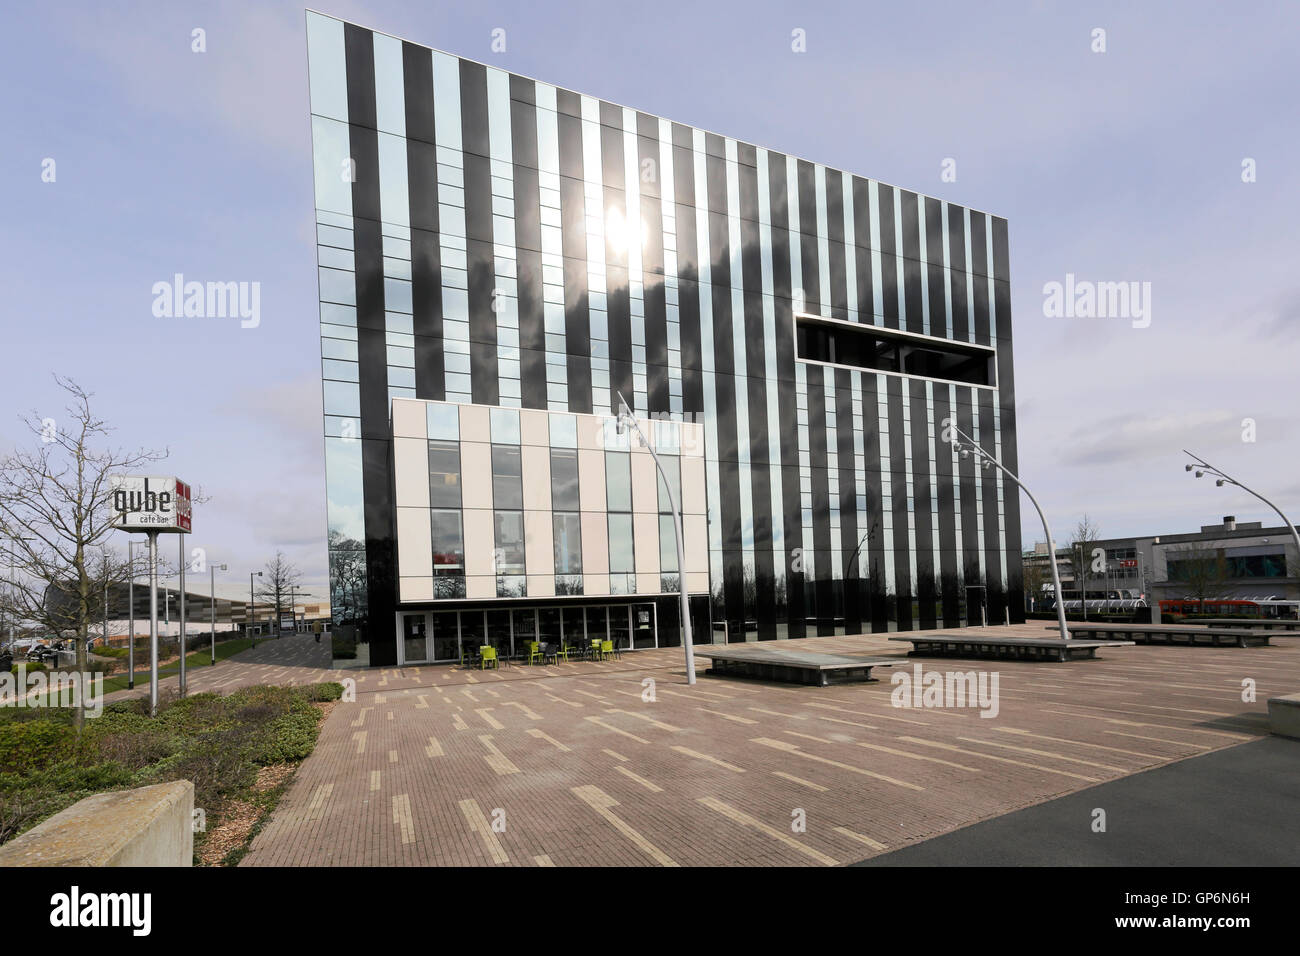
x=83 y=598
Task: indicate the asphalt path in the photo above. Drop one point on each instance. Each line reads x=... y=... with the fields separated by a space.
x=1235 y=807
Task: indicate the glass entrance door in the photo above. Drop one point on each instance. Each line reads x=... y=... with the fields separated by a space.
x=415 y=638
x=446 y=646
x=598 y=623
x=620 y=626
x=525 y=624
x=574 y=628
x=643 y=626
x=498 y=632
x=548 y=625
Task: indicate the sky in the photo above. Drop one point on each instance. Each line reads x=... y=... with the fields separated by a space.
x=1167 y=158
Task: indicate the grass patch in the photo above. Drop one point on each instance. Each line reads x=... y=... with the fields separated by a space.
x=200 y=658
x=239 y=750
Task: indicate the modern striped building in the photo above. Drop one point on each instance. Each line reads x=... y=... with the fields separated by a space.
x=500 y=259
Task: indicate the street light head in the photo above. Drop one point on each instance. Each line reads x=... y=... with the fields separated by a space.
x=221 y=567
x=1187 y=467
x=1200 y=474
x=1220 y=483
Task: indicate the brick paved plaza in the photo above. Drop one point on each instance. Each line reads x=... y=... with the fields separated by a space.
x=587 y=773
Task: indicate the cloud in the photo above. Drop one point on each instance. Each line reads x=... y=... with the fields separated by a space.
x=1123 y=439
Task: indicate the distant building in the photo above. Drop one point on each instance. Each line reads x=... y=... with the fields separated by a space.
x=1231 y=560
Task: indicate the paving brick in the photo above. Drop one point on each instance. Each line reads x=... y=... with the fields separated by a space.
x=582 y=771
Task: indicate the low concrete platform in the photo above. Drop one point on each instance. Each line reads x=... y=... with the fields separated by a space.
x=1266 y=623
x=939 y=644
x=1190 y=634
x=766 y=662
x=1284 y=715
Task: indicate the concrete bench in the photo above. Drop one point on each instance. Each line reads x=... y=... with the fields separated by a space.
x=1267 y=623
x=1284 y=715
x=148 y=826
x=1190 y=634
x=790 y=665
x=930 y=644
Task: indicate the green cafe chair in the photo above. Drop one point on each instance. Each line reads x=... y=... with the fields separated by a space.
x=533 y=653
x=488 y=657
x=562 y=653
x=607 y=651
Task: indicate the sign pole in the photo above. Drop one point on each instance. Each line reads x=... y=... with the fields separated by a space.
x=150 y=505
x=153 y=623
x=181 y=599
x=130 y=637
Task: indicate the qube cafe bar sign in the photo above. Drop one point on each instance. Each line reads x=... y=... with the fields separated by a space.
x=150 y=503
x=153 y=505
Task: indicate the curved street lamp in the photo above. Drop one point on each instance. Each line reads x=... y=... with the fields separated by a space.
x=628 y=420
x=967 y=447
x=1203 y=468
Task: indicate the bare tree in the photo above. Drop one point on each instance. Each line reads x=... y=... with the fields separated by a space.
x=1086 y=535
x=280 y=577
x=1034 y=577
x=1201 y=569
x=55 y=518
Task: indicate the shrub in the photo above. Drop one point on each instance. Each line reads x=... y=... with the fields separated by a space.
x=117 y=719
x=135 y=750
x=291 y=737
x=217 y=742
x=30 y=746
x=331 y=690
x=219 y=763
x=91 y=778
x=23 y=808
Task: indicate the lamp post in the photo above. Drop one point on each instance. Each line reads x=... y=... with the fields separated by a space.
x=626 y=419
x=968 y=446
x=1203 y=468
x=251 y=606
x=212 y=589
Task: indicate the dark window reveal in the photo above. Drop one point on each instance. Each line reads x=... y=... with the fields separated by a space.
x=886 y=350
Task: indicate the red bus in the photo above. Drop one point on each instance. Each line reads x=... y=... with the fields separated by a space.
x=1214 y=607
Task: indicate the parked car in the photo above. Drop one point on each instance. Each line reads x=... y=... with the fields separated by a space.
x=42 y=654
